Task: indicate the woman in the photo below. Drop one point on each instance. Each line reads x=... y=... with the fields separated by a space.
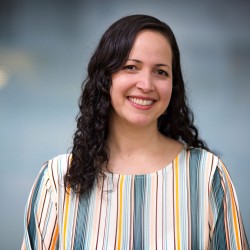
x=138 y=176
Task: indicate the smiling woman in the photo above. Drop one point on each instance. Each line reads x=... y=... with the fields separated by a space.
x=138 y=176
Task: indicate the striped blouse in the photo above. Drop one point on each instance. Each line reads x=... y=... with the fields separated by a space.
x=189 y=204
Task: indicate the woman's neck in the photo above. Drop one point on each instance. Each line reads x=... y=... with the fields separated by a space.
x=137 y=150
x=125 y=139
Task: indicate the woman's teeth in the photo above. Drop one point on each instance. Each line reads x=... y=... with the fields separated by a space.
x=139 y=101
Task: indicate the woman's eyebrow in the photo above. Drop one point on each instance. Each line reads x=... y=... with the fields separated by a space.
x=158 y=64
x=135 y=60
x=162 y=64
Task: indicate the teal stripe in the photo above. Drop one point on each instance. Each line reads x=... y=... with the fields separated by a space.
x=82 y=218
x=126 y=213
x=90 y=217
x=202 y=193
x=35 y=198
x=139 y=188
x=194 y=164
x=218 y=240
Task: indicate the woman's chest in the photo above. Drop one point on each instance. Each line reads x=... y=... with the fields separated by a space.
x=142 y=212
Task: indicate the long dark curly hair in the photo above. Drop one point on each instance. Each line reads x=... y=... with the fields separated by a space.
x=90 y=154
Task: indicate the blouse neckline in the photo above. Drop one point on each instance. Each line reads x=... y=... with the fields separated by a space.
x=157 y=172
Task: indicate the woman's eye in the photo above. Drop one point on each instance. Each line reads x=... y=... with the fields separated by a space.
x=129 y=67
x=161 y=72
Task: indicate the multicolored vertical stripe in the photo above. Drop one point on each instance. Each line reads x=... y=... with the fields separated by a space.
x=189 y=204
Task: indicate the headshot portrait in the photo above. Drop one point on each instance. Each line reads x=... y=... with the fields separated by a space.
x=125 y=126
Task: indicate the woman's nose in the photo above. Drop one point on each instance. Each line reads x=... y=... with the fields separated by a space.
x=145 y=82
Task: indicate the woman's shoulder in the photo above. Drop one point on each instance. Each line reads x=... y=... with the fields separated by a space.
x=57 y=168
x=201 y=160
x=200 y=153
x=60 y=162
x=206 y=164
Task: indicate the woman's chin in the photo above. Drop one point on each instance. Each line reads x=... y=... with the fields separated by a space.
x=142 y=123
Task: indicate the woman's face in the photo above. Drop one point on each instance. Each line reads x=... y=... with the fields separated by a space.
x=141 y=90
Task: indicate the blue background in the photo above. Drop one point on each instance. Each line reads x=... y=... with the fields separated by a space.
x=44 y=50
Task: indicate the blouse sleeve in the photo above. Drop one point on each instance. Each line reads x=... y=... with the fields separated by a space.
x=40 y=222
x=227 y=230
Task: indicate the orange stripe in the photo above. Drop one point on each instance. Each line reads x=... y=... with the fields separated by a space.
x=66 y=213
x=120 y=214
x=177 y=209
x=53 y=245
x=234 y=211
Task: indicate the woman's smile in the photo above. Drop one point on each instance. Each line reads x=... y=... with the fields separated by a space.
x=141 y=103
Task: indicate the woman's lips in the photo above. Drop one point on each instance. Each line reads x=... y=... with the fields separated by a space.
x=141 y=103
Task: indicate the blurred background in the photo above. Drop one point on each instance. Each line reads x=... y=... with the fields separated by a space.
x=44 y=50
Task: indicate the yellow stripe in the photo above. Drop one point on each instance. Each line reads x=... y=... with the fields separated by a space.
x=119 y=236
x=177 y=209
x=234 y=211
x=66 y=213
